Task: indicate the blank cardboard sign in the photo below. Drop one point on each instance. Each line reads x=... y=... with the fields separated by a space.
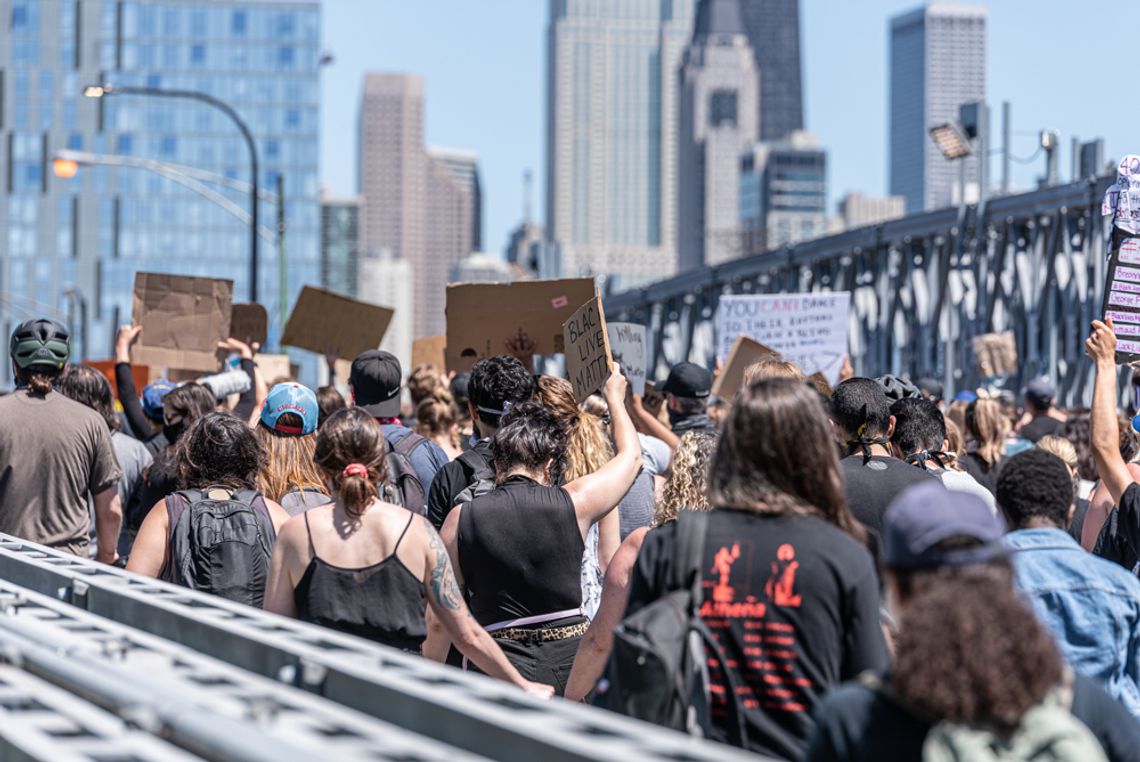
x=327 y=322
x=745 y=352
x=523 y=319
x=587 y=349
x=250 y=323
x=182 y=318
x=429 y=351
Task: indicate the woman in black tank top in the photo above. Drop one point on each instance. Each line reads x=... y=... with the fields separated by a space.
x=366 y=567
x=518 y=549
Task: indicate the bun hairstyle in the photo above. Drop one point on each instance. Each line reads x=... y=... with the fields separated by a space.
x=351 y=456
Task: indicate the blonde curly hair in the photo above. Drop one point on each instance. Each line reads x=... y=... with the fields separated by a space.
x=588 y=445
x=687 y=489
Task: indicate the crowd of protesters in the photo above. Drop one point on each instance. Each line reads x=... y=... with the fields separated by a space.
x=863 y=572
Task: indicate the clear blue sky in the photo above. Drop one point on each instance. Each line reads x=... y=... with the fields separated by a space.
x=484 y=63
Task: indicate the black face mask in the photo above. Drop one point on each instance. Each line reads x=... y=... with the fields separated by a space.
x=173 y=431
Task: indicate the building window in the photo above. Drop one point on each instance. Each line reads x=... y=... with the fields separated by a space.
x=722 y=108
x=285 y=56
x=292 y=118
x=197 y=54
x=237 y=23
x=168 y=146
x=19 y=16
x=123 y=145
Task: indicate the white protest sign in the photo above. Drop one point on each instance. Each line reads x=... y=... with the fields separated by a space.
x=808 y=329
x=627 y=342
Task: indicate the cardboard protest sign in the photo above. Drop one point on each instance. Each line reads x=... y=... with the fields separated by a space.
x=273 y=368
x=429 y=351
x=808 y=329
x=139 y=373
x=1122 y=284
x=745 y=352
x=996 y=354
x=182 y=318
x=327 y=322
x=627 y=342
x=587 y=349
x=250 y=323
x=523 y=319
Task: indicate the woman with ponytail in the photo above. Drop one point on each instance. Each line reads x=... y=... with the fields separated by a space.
x=366 y=567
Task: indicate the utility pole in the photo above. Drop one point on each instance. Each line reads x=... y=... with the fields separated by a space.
x=283 y=273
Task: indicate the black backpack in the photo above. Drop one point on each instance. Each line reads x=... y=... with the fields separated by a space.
x=480 y=477
x=403 y=486
x=220 y=546
x=658 y=670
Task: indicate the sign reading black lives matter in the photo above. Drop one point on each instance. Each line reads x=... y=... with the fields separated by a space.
x=1122 y=286
x=587 y=349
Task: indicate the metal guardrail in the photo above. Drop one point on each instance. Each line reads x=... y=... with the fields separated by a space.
x=467 y=711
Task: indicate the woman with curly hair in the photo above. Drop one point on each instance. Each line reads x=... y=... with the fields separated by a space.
x=968 y=652
x=687 y=488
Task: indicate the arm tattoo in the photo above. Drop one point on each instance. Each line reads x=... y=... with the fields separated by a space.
x=443 y=584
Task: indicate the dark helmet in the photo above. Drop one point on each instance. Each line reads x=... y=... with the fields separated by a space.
x=897 y=387
x=40 y=342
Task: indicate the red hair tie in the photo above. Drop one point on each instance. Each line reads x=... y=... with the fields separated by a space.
x=355 y=469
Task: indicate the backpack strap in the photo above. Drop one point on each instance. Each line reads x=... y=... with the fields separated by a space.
x=177 y=504
x=408 y=444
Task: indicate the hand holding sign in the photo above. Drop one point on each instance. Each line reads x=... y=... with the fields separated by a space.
x=1101 y=344
x=616 y=385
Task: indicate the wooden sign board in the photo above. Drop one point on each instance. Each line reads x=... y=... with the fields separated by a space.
x=522 y=319
x=744 y=352
x=430 y=351
x=587 y=349
x=329 y=323
x=182 y=318
x=250 y=324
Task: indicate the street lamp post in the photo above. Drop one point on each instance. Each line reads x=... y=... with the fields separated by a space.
x=99 y=91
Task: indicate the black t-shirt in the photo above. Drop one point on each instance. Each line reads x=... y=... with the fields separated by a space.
x=452 y=479
x=1120 y=536
x=856 y=723
x=1077 y=525
x=985 y=474
x=794 y=605
x=872 y=485
x=1041 y=426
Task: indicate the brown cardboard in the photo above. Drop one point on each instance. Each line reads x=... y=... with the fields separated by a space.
x=329 y=323
x=522 y=319
x=182 y=318
x=429 y=351
x=139 y=373
x=587 y=349
x=273 y=368
x=996 y=354
x=250 y=324
x=744 y=352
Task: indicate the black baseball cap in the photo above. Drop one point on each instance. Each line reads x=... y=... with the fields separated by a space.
x=924 y=515
x=1040 y=392
x=688 y=379
x=375 y=381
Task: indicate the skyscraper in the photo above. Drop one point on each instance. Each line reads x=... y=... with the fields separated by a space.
x=783 y=193
x=773 y=28
x=717 y=124
x=340 y=244
x=938 y=62
x=453 y=228
x=611 y=135
x=66 y=243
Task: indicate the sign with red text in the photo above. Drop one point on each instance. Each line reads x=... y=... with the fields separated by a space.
x=587 y=349
x=808 y=329
x=1122 y=296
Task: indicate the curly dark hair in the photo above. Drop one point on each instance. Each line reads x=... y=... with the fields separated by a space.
x=531 y=434
x=1035 y=484
x=218 y=450
x=919 y=425
x=860 y=403
x=497 y=380
x=969 y=650
x=89 y=387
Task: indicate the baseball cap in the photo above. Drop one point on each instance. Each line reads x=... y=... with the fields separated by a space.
x=924 y=515
x=1040 y=392
x=291 y=398
x=687 y=379
x=375 y=381
x=931 y=388
x=152 y=395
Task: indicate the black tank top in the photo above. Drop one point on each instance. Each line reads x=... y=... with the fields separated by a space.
x=383 y=602
x=520 y=550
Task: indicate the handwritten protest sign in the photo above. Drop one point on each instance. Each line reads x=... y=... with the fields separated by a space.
x=1122 y=284
x=745 y=352
x=250 y=323
x=587 y=349
x=327 y=322
x=996 y=354
x=182 y=318
x=808 y=329
x=429 y=351
x=627 y=341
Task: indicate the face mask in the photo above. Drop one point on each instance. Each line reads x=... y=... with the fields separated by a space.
x=676 y=416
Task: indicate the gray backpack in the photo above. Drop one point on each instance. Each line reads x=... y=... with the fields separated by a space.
x=480 y=477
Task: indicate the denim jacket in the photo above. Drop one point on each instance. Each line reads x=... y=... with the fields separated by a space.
x=1091 y=606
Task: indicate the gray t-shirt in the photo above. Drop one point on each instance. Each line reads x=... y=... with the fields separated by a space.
x=636 y=508
x=53 y=451
x=133 y=458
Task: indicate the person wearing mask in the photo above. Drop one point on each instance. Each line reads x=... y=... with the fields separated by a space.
x=687 y=391
x=518 y=549
x=435 y=420
x=872 y=477
x=782 y=556
x=495 y=385
x=368 y=568
x=329 y=400
x=968 y=652
x=287 y=432
x=987 y=427
x=375 y=384
x=55 y=452
x=1042 y=419
x=88 y=387
x=920 y=439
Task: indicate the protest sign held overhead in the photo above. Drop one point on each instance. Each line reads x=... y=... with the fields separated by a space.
x=1122 y=284
x=627 y=342
x=745 y=352
x=249 y=324
x=182 y=318
x=808 y=329
x=329 y=323
x=587 y=349
x=522 y=319
x=429 y=351
x=276 y=368
x=996 y=354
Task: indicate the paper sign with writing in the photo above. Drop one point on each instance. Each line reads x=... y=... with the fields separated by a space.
x=745 y=352
x=627 y=341
x=329 y=323
x=996 y=354
x=250 y=323
x=808 y=329
x=182 y=318
x=429 y=351
x=1122 y=293
x=522 y=319
x=587 y=349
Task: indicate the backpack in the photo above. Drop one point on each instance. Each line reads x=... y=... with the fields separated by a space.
x=300 y=499
x=403 y=486
x=658 y=668
x=480 y=479
x=220 y=546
